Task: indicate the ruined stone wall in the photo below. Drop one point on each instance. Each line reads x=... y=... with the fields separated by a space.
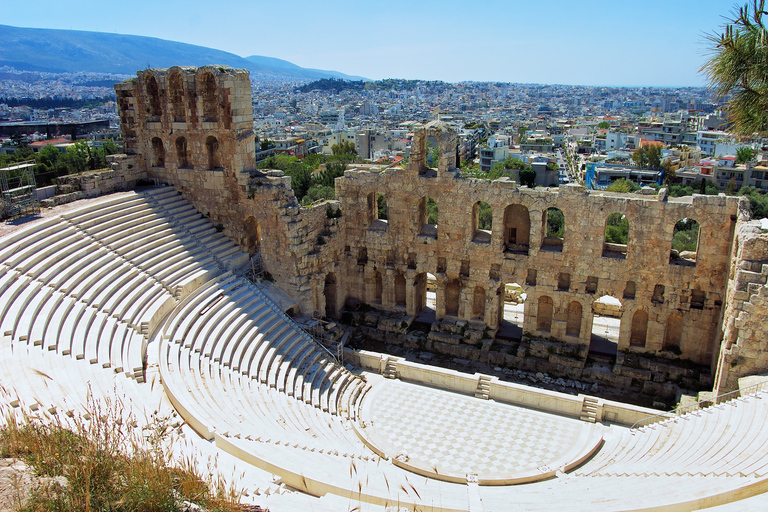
x=557 y=278
x=744 y=348
x=191 y=127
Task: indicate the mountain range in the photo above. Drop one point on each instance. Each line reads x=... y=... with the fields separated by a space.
x=61 y=51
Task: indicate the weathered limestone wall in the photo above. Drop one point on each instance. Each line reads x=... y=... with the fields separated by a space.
x=574 y=275
x=192 y=127
x=744 y=348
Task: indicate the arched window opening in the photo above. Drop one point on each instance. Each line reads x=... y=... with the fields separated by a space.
x=517 y=229
x=400 y=295
x=606 y=325
x=673 y=333
x=329 y=292
x=210 y=97
x=382 y=211
x=181 y=152
x=616 y=236
x=153 y=96
x=212 y=147
x=424 y=287
x=511 y=311
x=685 y=243
x=377 y=287
x=553 y=227
x=176 y=96
x=158 y=152
x=377 y=211
x=544 y=314
x=251 y=235
x=639 y=331
x=478 y=303
x=482 y=222
x=452 y=292
x=428 y=214
x=573 y=322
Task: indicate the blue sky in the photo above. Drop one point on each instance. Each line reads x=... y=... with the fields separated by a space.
x=590 y=42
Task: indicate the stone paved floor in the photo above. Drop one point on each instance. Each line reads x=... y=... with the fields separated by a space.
x=461 y=434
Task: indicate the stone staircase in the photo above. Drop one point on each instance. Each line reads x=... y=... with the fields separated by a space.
x=390 y=369
x=483 y=390
x=589 y=409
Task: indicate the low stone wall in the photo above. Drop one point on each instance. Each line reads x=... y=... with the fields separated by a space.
x=507 y=392
x=655 y=376
x=123 y=175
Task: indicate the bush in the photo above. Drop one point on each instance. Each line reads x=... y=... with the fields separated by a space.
x=109 y=463
x=623 y=185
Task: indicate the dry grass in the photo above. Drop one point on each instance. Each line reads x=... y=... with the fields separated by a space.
x=109 y=462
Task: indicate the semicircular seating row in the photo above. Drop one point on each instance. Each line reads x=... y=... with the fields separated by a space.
x=93 y=283
x=90 y=287
x=727 y=439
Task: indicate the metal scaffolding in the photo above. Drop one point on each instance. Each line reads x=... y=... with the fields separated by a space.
x=19 y=190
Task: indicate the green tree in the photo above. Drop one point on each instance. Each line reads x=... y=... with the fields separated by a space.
x=623 y=185
x=381 y=205
x=528 y=177
x=744 y=154
x=484 y=216
x=737 y=69
x=431 y=211
x=686 y=235
x=603 y=125
x=617 y=229
x=555 y=223
x=669 y=173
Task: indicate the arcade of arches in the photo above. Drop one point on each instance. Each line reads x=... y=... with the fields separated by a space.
x=565 y=247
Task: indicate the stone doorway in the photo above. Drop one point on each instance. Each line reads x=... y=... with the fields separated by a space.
x=606 y=325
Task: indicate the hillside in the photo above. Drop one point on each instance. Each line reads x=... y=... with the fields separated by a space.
x=59 y=51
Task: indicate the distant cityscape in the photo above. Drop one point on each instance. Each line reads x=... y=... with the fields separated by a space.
x=566 y=133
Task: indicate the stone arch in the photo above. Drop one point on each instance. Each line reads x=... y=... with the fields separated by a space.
x=452 y=293
x=607 y=312
x=511 y=319
x=329 y=292
x=420 y=283
x=639 y=329
x=400 y=290
x=251 y=235
x=428 y=216
x=517 y=229
x=482 y=222
x=616 y=236
x=382 y=211
x=446 y=147
x=176 y=97
x=153 y=96
x=478 y=303
x=544 y=314
x=214 y=155
x=573 y=319
x=378 y=287
x=553 y=229
x=685 y=242
x=182 y=156
x=158 y=152
x=673 y=332
x=210 y=94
